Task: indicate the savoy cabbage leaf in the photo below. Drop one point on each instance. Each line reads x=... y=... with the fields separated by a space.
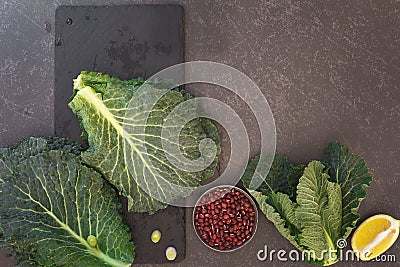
x=319 y=213
x=350 y=172
x=50 y=204
x=272 y=196
x=12 y=156
x=314 y=206
x=132 y=158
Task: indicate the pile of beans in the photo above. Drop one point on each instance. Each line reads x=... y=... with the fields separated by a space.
x=224 y=218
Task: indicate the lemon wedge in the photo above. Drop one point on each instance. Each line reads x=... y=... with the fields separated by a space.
x=374 y=236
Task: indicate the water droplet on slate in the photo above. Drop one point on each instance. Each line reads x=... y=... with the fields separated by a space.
x=58 y=41
x=47 y=26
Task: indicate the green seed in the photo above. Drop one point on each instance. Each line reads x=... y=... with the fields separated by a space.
x=170 y=253
x=92 y=241
x=155 y=236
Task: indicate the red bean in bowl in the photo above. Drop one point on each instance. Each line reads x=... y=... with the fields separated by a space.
x=225 y=218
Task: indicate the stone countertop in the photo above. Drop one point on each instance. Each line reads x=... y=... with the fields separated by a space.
x=329 y=69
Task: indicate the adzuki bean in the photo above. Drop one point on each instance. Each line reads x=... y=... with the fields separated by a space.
x=224 y=218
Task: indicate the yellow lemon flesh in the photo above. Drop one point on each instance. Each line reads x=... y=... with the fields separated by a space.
x=374 y=236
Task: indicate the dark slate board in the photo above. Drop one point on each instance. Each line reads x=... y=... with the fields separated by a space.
x=127 y=42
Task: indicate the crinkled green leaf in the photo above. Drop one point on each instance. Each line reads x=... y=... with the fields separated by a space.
x=324 y=198
x=50 y=205
x=319 y=212
x=353 y=176
x=12 y=156
x=272 y=195
x=25 y=264
x=276 y=179
x=101 y=103
x=280 y=213
x=293 y=180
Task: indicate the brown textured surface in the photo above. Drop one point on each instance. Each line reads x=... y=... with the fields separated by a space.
x=330 y=71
